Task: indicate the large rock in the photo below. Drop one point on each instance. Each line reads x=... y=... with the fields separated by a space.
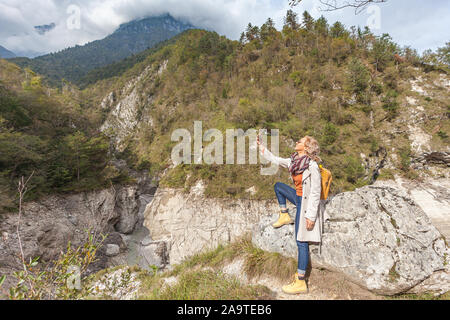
x=431 y=194
x=190 y=222
x=126 y=205
x=155 y=253
x=378 y=237
x=112 y=250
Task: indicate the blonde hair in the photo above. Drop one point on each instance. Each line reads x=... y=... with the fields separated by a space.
x=312 y=148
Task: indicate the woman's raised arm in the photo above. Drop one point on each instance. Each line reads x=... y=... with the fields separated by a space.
x=283 y=162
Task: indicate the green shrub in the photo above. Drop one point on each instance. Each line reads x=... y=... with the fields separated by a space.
x=296 y=78
x=358 y=77
x=175 y=178
x=390 y=104
x=53 y=281
x=329 y=135
x=405 y=158
x=442 y=134
x=353 y=169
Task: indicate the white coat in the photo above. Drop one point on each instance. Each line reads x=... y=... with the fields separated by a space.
x=312 y=206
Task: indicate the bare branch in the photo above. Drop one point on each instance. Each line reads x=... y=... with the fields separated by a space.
x=22 y=189
x=332 y=5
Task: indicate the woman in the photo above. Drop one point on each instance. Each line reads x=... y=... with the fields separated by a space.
x=305 y=173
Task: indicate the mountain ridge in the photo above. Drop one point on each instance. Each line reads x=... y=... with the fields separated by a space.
x=6 y=54
x=133 y=37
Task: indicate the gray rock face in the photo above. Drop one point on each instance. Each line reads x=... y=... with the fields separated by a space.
x=125 y=107
x=431 y=194
x=51 y=239
x=155 y=253
x=126 y=205
x=49 y=224
x=190 y=222
x=378 y=237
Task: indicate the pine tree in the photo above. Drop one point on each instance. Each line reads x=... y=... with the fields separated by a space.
x=242 y=38
x=321 y=26
x=443 y=54
x=338 y=30
x=267 y=29
x=291 y=20
x=358 y=76
x=308 y=21
x=383 y=50
x=252 y=32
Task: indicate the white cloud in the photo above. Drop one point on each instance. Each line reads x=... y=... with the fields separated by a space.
x=414 y=22
x=100 y=18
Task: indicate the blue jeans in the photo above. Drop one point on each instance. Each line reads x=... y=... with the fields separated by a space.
x=284 y=192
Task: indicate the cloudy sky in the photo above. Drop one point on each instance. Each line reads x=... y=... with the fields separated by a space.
x=416 y=23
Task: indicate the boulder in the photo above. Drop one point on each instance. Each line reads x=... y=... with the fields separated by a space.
x=377 y=236
x=432 y=195
x=52 y=239
x=155 y=253
x=112 y=250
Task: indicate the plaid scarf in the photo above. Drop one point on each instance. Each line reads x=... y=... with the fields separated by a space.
x=298 y=164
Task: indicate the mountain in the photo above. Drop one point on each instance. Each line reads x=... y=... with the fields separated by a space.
x=74 y=63
x=28 y=53
x=118 y=68
x=5 y=53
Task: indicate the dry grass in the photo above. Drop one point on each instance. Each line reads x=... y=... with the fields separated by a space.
x=208 y=285
x=256 y=261
x=200 y=276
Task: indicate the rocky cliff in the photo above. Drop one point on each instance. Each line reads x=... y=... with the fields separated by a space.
x=48 y=225
x=190 y=222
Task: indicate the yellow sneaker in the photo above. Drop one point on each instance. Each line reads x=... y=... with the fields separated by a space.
x=282 y=220
x=296 y=287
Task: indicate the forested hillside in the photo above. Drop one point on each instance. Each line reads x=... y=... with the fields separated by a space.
x=120 y=67
x=52 y=133
x=72 y=64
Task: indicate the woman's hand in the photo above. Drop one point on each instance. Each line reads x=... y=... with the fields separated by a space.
x=309 y=224
x=259 y=144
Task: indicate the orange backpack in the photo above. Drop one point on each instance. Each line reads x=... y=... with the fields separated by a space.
x=326 y=182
